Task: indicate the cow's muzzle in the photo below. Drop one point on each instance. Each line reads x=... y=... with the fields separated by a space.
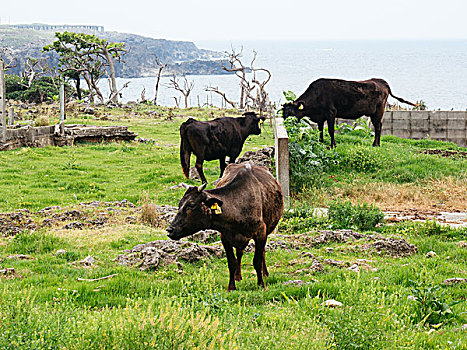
x=171 y=232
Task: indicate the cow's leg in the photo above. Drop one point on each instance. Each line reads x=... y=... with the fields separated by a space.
x=265 y=268
x=331 y=122
x=231 y=262
x=321 y=128
x=238 y=271
x=199 y=167
x=377 y=121
x=222 y=165
x=260 y=243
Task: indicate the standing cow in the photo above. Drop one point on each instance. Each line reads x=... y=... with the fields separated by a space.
x=246 y=204
x=328 y=99
x=215 y=139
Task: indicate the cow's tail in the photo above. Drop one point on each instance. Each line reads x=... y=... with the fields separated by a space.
x=400 y=99
x=185 y=149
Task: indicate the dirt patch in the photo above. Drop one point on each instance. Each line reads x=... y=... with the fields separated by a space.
x=153 y=255
x=446 y=153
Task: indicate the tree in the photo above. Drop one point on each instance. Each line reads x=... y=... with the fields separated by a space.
x=185 y=89
x=88 y=56
x=161 y=66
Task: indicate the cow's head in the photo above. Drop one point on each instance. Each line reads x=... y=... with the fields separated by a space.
x=252 y=123
x=195 y=212
x=293 y=109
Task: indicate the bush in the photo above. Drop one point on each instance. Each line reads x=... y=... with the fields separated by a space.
x=359 y=216
x=308 y=157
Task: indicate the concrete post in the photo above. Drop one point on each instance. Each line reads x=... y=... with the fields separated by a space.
x=281 y=141
x=11 y=116
x=62 y=107
x=2 y=101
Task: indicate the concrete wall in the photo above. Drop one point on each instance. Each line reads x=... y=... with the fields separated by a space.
x=437 y=125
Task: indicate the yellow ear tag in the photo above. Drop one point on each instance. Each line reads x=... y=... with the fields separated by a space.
x=300 y=107
x=216 y=208
x=260 y=121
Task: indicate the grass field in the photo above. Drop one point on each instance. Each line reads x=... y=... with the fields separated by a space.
x=44 y=306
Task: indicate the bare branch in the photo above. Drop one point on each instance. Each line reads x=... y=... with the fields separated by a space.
x=222 y=94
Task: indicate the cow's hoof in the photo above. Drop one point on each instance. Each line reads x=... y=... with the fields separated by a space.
x=230 y=288
x=238 y=278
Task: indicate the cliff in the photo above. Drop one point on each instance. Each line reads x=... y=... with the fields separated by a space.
x=183 y=57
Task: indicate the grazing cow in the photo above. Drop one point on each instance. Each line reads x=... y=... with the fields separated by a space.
x=327 y=99
x=246 y=204
x=215 y=139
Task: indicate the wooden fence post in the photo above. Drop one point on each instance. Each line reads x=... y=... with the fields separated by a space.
x=2 y=101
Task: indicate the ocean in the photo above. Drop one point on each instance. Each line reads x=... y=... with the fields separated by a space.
x=432 y=71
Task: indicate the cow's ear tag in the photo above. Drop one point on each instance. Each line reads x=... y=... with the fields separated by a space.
x=301 y=106
x=216 y=208
x=260 y=121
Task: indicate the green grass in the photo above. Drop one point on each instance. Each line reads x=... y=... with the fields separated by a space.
x=45 y=306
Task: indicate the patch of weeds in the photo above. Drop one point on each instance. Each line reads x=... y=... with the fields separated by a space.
x=149 y=214
x=361 y=158
x=345 y=215
x=308 y=157
x=33 y=242
x=431 y=306
x=433 y=228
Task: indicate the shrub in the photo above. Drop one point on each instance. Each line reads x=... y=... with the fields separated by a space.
x=360 y=216
x=308 y=157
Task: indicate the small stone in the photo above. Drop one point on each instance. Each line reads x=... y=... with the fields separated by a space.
x=332 y=303
x=456 y=280
x=354 y=268
x=462 y=244
x=60 y=252
x=431 y=254
x=412 y=297
x=329 y=250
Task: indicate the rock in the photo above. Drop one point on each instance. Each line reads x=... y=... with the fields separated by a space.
x=456 y=280
x=130 y=220
x=20 y=257
x=412 y=297
x=176 y=187
x=329 y=250
x=354 y=268
x=194 y=174
x=75 y=225
x=462 y=244
x=205 y=236
x=332 y=303
x=60 y=252
x=7 y=271
x=262 y=157
x=295 y=283
x=88 y=110
x=152 y=255
x=88 y=261
x=333 y=262
x=431 y=254
x=391 y=246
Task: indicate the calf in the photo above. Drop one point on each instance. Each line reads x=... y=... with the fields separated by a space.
x=328 y=99
x=215 y=139
x=246 y=204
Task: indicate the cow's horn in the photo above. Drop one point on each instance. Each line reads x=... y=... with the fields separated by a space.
x=185 y=186
x=202 y=187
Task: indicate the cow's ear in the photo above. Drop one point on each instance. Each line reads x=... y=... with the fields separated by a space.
x=213 y=203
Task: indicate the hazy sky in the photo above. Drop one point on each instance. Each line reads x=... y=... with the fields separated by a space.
x=253 y=19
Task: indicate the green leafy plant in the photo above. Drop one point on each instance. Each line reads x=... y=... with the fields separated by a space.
x=289 y=96
x=362 y=158
x=360 y=216
x=431 y=306
x=308 y=157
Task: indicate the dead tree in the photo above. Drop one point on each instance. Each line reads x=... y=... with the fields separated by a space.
x=185 y=89
x=222 y=94
x=34 y=68
x=161 y=67
x=8 y=57
x=236 y=66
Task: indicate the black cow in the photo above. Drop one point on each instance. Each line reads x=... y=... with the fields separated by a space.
x=246 y=204
x=327 y=99
x=215 y=139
